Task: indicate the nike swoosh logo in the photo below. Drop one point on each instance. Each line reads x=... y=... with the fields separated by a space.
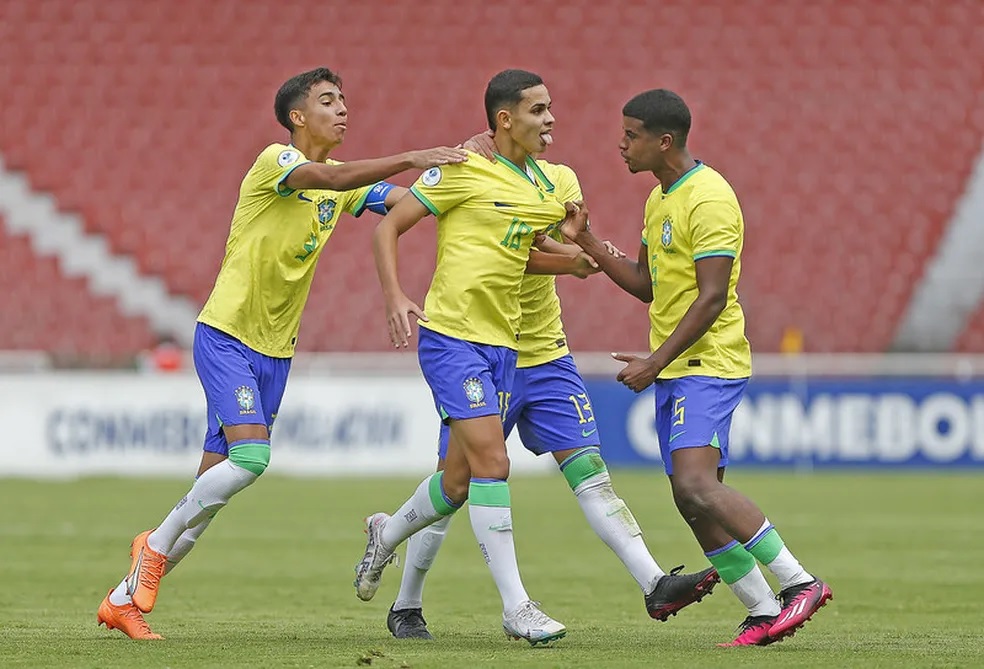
x=503 y=204
x=131 y=580
x=674 y=436
x=304 y=198
x=588 y=433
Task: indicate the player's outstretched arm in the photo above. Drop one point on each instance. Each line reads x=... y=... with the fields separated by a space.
x=403 y=216
x=358 y=173
x=632 y=276
x=552 y=257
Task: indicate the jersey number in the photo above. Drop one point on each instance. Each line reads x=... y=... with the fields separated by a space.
x=514 y=235
x=582 y=405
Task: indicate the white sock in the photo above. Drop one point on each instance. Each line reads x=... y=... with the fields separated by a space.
x=767 y=543
x=756 y=594
x=184 y=544
x=612 y=521
x=210 y=493
x=492 y=525
x=416 y=513
x=422 y=548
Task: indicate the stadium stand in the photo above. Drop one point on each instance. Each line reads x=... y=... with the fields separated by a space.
x=847 y=129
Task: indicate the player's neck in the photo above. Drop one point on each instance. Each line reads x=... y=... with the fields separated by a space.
x=676 y=166
x=510 y=150
x=313 y=150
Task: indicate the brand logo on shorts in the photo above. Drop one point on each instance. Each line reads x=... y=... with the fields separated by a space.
x=245 y=400
x=474 y=391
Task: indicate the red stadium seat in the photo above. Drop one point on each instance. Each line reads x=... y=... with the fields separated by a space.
x=144 y=122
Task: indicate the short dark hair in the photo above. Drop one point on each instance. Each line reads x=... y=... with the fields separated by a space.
x=661 y=111
x=506 y=89
x=295 y=89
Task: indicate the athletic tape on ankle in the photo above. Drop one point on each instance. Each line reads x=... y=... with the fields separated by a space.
x=488 y=492
x=253 y=455
x=442 y=503
x=582 y=465
x=765 y=546
x=732 y=561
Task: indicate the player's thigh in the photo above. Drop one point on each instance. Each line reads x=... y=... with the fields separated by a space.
x=697 y=415
x=483 y=445
x=557 y=412
x=232 y=391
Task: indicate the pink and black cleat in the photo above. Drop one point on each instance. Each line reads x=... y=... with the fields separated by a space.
x=753 y=631
x=799 y=603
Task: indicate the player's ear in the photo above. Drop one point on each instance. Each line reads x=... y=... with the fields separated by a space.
x=503 y=119
x=296 y=118
x=666 y=141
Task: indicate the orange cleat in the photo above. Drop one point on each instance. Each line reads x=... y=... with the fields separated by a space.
x=146 y=571
x=126 y=618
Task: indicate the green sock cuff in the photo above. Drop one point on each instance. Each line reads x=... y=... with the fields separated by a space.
x=732 y=562
x=582 y=465
x=441 y=503
x=488 y=492
x=766 y=546
x=253 y=456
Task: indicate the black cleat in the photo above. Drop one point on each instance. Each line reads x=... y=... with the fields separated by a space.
x=674 y=591
x=407 y=624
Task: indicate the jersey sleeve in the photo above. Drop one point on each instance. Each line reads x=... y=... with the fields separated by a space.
x=441 y=188
x=566 y=185
x=271 y=169
x=355 y=199
x=715 y=229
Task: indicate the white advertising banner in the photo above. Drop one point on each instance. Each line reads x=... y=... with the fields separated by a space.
x=129 y=424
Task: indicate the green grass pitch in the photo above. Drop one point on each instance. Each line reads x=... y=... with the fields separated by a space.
x=270 y=583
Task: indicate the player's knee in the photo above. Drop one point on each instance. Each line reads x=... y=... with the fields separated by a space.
x=692 y=493
x=494 y=465
x=253 y=456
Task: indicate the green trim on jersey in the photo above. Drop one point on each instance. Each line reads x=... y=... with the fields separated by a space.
x=715 y=253
x=282 y=190
x=540 y=175
x=360 y=206
x=686 y=175
x=514 y=167
x=424 y=201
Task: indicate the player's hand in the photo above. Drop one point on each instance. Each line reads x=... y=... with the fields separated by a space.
x=638 y=374
x=613 y=250
x=584 y=266
x=441 y=155
x=482 y=144
x=576 y=220
x=398 y=313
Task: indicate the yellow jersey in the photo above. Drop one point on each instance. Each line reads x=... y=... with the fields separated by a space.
x=487 y=215
x=274 y=243
x=697 y=217
x=541 y=330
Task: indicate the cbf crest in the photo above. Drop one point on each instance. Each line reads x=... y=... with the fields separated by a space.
x=474 y=391
x=245 y=399
x=667 y=236
x=326 y=211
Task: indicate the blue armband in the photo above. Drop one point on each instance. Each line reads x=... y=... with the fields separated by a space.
x=376 y=198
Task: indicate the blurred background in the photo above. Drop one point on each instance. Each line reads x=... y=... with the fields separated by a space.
x=851 y=131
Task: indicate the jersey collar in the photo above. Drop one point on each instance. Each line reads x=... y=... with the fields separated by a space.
x=686 y=175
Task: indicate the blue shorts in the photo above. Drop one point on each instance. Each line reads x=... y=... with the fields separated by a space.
x=242 y=387
x=695 y=411
x=550 y=407
x=468 y=380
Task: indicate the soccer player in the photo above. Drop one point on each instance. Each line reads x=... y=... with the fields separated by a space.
x=687 y=268
x=487 y=215
x=553 y=413
x=289 y=203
